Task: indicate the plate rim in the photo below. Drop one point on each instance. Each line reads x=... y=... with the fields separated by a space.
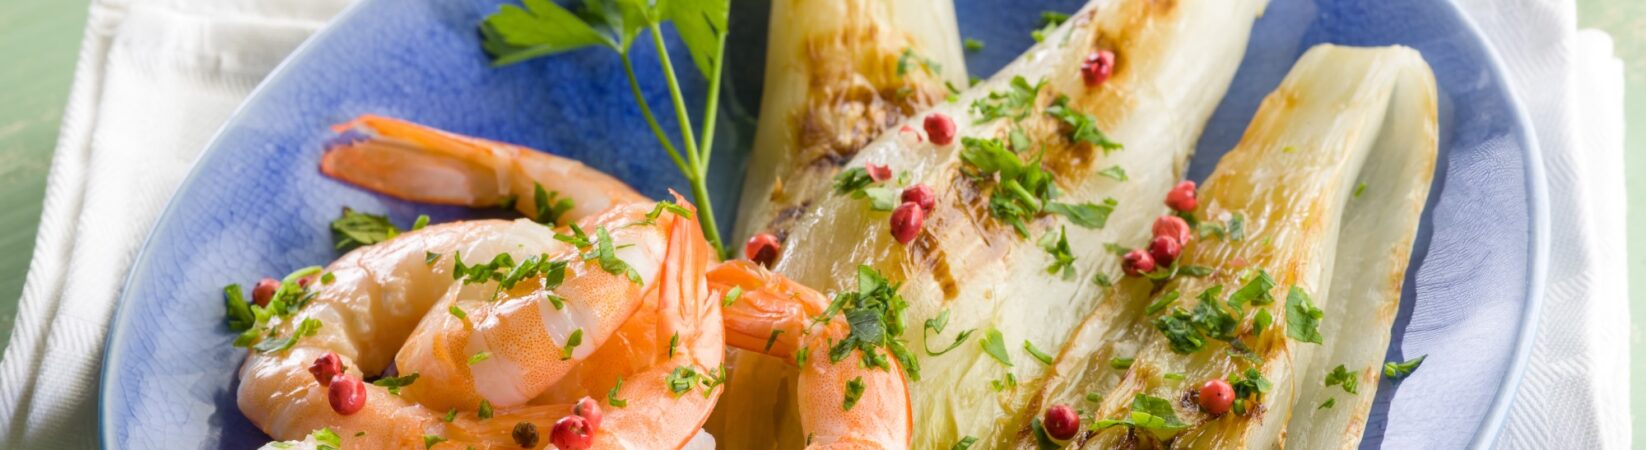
x=1486 y=435
x=1491 y=426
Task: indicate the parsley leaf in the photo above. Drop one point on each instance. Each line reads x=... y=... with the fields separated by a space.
x=238 y=311
x=308 y=327
x=1152 y=414
x=1342 y=376
x=393 y=384
x=514 y=34
x=1179 y=331
x=1015 y=102
x=854 y=392
x=1401 y=370
x=611 y=395
x=572 y=342
x=1115 y=172
x=995 y=345
x=1256 y=291
x=1087 y=215
x=1036 y=353
x=1062 y=254
x=702 y=27
x=936 y=325
x=1082 y=127
x=1302 y=317
x=549 y=205
x=355 y=229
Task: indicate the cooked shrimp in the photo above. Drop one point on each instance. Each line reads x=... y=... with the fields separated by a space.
x=417 y=163
x=843 y=404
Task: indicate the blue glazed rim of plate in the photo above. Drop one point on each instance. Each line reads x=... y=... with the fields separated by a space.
x=1490 y=427
x=1538 y=207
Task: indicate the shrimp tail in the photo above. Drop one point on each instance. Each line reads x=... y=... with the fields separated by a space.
x=413 y=162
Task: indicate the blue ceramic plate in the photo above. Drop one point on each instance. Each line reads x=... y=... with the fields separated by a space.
x=256 y=205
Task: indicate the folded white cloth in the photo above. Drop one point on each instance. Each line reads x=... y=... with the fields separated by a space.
x=1575 y=392
x=157 y=77
x=155 y=80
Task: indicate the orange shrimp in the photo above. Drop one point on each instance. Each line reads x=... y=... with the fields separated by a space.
x=774 y=316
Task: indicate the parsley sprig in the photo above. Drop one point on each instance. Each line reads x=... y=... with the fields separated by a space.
x=542 y=28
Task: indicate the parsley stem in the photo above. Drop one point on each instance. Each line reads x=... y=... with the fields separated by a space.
x=646 y=110
x=685 y=119
x=711 y=105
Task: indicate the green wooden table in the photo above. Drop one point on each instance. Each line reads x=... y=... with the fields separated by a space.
x=39 y=41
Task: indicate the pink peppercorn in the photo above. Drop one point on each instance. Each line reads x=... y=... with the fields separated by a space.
x=1097 y=67
x=906 y=222
x=921 y=195
x=763 y=249
x=264 y=291
x=1173 y=227
x=589 y=410
x=1182 y=197
x=940 y=128
x=1136 y=263
x=1061 y=422
x=1216 y=396
x=1164 y=250
x=572 y=432
x=325 y=367
x=346 y=393
x=879 y=172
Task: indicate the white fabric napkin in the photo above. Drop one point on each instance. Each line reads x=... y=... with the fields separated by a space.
x=157 y=77
x=1575 y=392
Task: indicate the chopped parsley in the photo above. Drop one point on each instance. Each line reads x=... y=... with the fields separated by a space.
x=1341 y=376
x=1180 y=332
x=572 y=342
x=909 y=58
x=1400 y=370
x=1151 y=414
x=1036 y=353
x=973 y=45
x=1015 y=102
x=1237 y=227
x=936 y=325
x=1302 y=317
x=458 y=313
x=851 y=181
x=772 y=339
x=1257 y=291
x=486 y=408
x=995 y=345
x=1102 y=279
x=326 y=439
x=854 y=392
x=1118 y=363
x=1211 y=319
x=611 y=395
x=674 y=342
x=240 y=317
x=1086 y=215
x=549 y=206
x=874 y=313
x=964 y=443
x=429 y=440
x=1194 y=271
x=1249 y=386
x=1161 y=303
x=1049 y=20
x=1062 y=255
x=1082 y=127
x=1094 y=397
x=1360 y=189
x=430 y=257
x=451 y=414
x=393 y=384
x=1116 y=172
x=681 y=380
x=606 y=253
x=731 y=296
x=478 y=357
x=355 y=229
x=1328 y=404
x=308 y=327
